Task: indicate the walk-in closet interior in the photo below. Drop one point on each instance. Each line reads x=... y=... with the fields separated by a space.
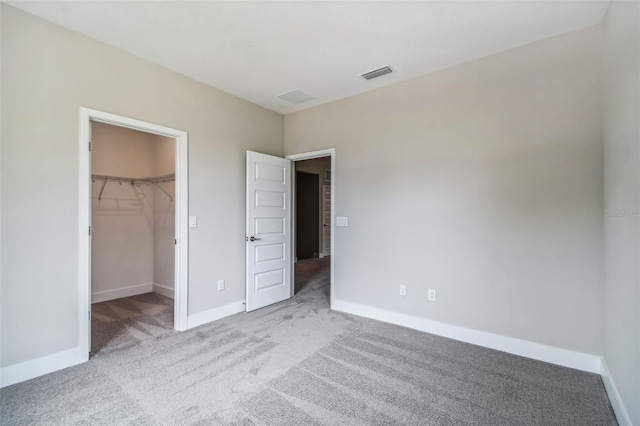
x=133 y=232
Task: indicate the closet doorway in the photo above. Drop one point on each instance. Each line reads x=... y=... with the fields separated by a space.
x=133 y=261
x=133 y=235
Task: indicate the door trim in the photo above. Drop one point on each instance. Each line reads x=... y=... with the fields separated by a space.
x=329 y=152
x=88 y=115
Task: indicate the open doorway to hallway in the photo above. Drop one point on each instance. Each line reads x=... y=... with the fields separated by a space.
x=313 y=226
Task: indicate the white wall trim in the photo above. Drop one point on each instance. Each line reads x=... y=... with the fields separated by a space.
x=622 y=415
x=17 y=373
x=134 y=290
x=329 y=152
x=163 y=290
x=88 y=115
x=538 y=351
x=215 y=314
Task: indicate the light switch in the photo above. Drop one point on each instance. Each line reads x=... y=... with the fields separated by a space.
x=193 y=221
x=342 y=221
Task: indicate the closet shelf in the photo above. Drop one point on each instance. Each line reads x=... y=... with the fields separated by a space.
x=155 y=180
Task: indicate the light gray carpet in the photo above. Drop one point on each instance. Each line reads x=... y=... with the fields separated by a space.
x=120 y=323
x=298 y=363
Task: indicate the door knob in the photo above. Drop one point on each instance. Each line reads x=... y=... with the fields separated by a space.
x=254 y=239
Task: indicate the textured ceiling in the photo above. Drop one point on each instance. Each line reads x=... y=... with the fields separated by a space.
x=259 y=50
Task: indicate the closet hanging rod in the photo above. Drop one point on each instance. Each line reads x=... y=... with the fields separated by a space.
x=153 y=180
x=162 y=178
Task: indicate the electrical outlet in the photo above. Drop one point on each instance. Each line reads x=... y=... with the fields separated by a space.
x=403 y=290
x=220 y=285
x=431 y=295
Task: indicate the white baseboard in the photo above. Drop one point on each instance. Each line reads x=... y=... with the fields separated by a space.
x=616 y=402
x=163 y=290
x=17 y=373
x=525 y=348
x=215 y=314
x=134 y=290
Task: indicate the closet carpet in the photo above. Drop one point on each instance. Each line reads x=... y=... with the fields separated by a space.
x=120 y=323
x=299 y=363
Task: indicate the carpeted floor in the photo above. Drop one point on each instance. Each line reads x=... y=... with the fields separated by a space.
x=299 y=363
x=120 y=323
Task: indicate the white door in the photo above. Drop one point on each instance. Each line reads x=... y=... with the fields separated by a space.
x=326 y=220
x=268 y=230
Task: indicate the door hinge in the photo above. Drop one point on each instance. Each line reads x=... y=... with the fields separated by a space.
x=89 y=315
x=89 y=146
x=89 y=230
x=175 y=242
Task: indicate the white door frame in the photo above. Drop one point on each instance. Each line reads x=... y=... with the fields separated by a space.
x=182 y=216
x=329 y=152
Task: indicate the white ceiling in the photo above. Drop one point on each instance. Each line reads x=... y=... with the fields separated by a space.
x=259 y=50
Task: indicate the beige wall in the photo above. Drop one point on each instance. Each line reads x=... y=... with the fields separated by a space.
x=317 y=166
x=164 y=213
x=621 y=92
x=133 y=226
x=118 y=151
x=122 y=243
x=483 y=181
x=48 y=73
x=164 y=155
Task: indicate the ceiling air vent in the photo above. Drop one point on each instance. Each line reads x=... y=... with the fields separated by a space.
x=295 y=97
x=376 y=73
